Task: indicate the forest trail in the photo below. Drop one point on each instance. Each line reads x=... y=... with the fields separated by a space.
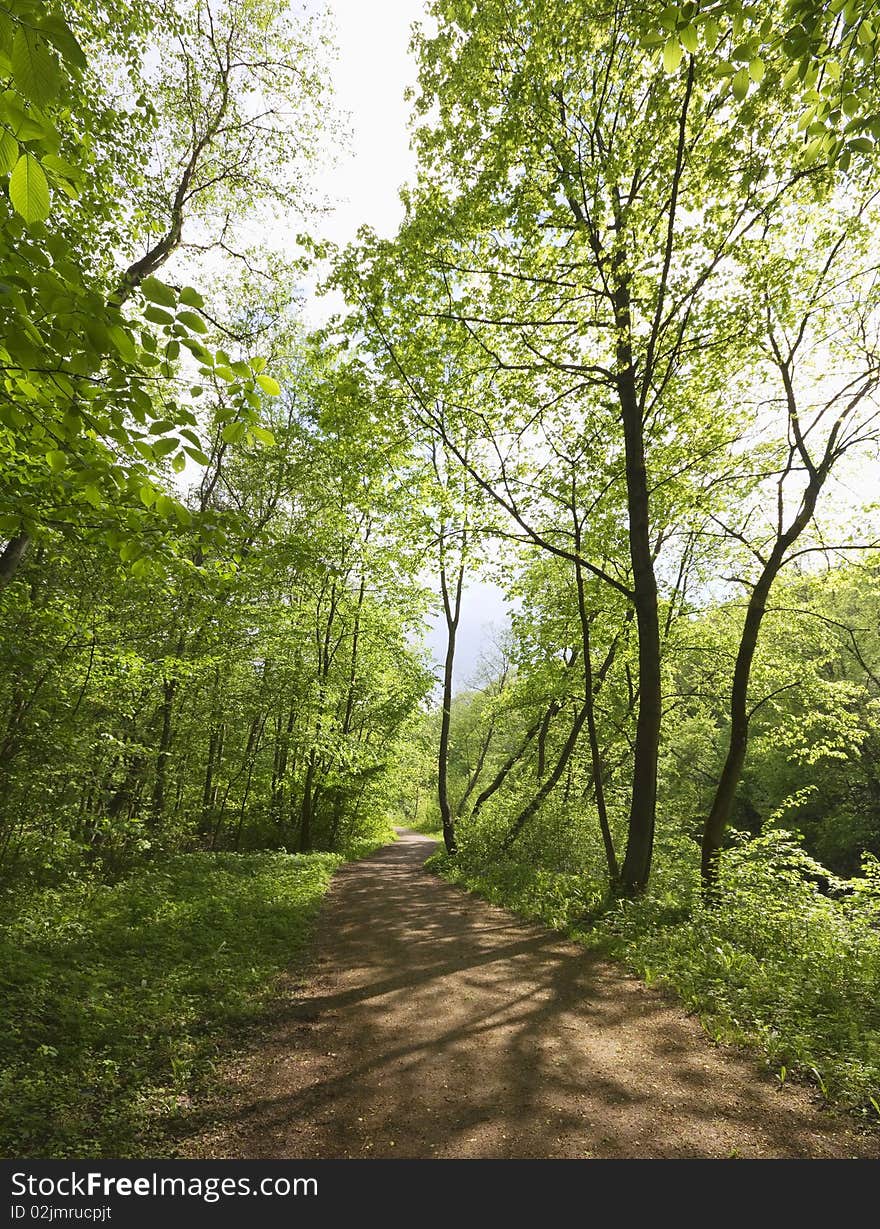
x=436 y=1025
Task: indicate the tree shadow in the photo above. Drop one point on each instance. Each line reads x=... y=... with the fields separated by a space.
x=439 y=1025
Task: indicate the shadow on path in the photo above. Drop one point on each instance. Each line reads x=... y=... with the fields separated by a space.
x=437 y=1025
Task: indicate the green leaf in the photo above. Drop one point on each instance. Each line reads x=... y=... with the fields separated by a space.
x=158 y=292
x=179 y=463
x=28 y=190
x=34 y=71
x=671 y=54
x=191 y=297
x=790 y=77
x=123 y=342
x=162 y=448
x=258 y=363
x=192 y=321
x=741 y=84
x=26 y=124
x=757 y=70
x=850 y=105
x=263 y=435
x=60 y=35
x=157 y=315
x=60 y=166
x=689 y=38
x=8 y=152
x=57 y=460
x=198 y=455
x=812 y=150
x=269 y=386
x=233 y=432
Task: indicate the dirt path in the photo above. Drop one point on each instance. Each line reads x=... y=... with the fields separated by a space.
x=435 y=1025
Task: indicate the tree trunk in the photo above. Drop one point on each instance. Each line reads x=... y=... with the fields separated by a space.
x=640 y=835
x=722 y=804
x=215 y=744
x=478 y=768
x=443 y=749
x=452 y=612
x=13 y=553
x=307 y=809
x=590 y=688
x=546 y=789
x=544 y=729
x=502 y=773
x=169 y=688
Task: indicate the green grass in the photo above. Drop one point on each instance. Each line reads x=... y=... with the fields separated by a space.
x=776 y=965
x=118 y=999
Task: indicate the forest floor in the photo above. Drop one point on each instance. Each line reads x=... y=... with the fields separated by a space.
x=433 y=1024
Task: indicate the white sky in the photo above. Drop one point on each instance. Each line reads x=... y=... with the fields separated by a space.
x=371 y=73
x=370 y=76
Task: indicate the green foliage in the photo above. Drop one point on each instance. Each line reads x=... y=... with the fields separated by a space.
x=118 y=999
x=777 y=964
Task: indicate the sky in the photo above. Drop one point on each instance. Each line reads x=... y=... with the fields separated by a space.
x=371 y=74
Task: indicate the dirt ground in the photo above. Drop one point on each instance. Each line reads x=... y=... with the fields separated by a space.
x=435 y=1025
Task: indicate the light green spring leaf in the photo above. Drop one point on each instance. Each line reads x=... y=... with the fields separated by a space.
x=192 y=321
x=191 y=297
x=158 y=292
x=233 y=432
x=263 y=435
x=269 y=386
x=29 y=190
x=671 y=55
x=8 y=152
x=34 y=71
x=689 y=38
x=741 y=84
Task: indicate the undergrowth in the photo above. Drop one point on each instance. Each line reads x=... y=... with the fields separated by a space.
x=119 y=998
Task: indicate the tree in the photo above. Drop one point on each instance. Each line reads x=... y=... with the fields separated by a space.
x=818 y=308
x=561 y=249
x=93 y=392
